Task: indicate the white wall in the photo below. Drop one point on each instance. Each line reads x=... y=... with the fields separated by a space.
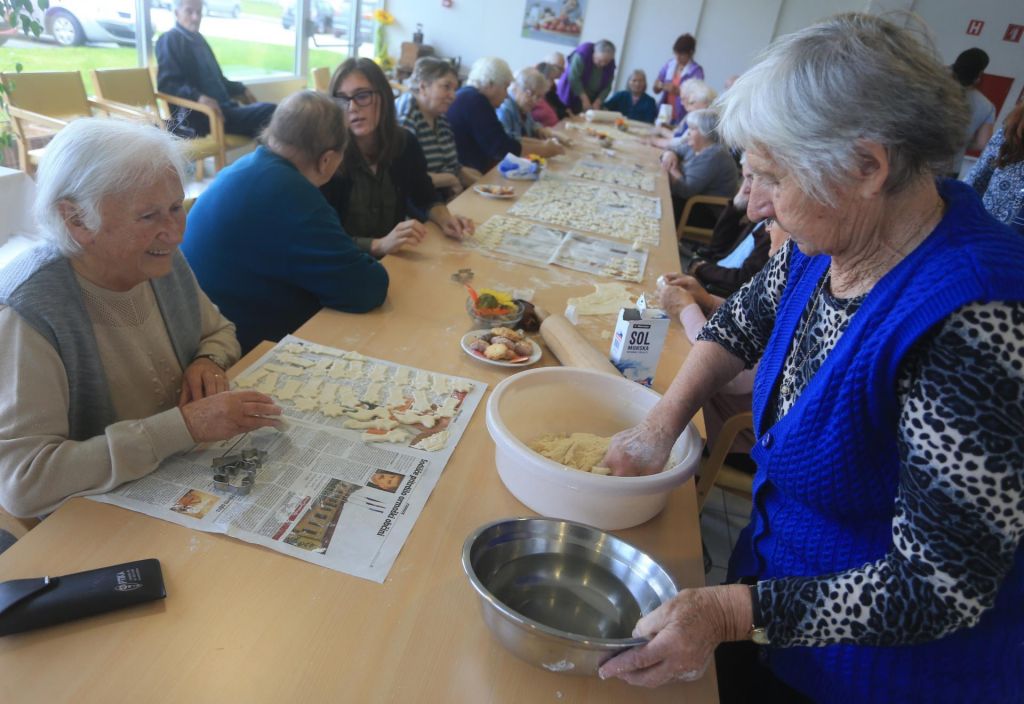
x=474 y=28
x=729 y=33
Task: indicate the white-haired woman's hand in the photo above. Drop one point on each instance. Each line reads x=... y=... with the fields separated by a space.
x=228 y=414
x=683 y=634
x=642 y=449
x=202 y=378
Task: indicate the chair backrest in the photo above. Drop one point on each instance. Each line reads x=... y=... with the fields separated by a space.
x=130 y=86
x=688 y=231
x=51 y=93
x=321 y=79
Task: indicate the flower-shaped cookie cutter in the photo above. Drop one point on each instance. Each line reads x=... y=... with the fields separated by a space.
x=237 y=473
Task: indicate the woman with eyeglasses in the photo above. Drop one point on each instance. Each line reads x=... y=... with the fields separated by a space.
x=382 y=185
x=528 y=87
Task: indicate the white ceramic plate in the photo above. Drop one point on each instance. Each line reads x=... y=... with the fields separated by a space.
x=499 y=196
x=470 y=336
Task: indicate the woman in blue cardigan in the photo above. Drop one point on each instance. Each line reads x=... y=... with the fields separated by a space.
x=883 y=557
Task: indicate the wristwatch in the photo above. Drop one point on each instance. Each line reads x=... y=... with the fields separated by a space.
x=758 y=633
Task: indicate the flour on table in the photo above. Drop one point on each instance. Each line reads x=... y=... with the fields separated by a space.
x=606 y=298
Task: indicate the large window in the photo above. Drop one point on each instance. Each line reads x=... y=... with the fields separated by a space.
x=253 y=39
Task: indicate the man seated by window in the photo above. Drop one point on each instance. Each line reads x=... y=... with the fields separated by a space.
x=188 y=69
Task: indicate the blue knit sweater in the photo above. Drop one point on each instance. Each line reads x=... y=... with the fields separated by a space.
x=828 y=471
x=270 y=251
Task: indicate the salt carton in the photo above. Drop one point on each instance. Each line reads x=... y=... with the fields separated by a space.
x=636 y=345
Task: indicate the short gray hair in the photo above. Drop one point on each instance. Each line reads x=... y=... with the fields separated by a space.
x=96 y=157
x=697 y=89
x=815 y=95
x=489 y=70
x=706 y=121
x=429 y=69
x=604 y=47
x=308 y=124
x=532 y=80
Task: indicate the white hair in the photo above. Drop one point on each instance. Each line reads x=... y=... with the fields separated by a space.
x=696 y=89
x=530 y=79
x=815 y=95
x=605 y=47
x=489 y=70
x=706 y=121
x=95 y=157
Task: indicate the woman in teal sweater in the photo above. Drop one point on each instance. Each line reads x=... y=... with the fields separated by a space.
x=264 y=243
x=883 y=558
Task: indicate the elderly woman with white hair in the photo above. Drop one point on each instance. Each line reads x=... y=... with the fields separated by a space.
x=528 y=87
x=113 y=356
x=708 y=168
x=695 y=94
x=883 y=559
x=480 y=139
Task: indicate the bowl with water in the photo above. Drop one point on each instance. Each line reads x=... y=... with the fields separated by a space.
x=561 y=595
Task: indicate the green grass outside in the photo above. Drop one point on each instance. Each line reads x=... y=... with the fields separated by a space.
x=238 y=58
x=263 y=9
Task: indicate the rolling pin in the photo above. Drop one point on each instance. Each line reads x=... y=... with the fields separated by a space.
x=569 y=346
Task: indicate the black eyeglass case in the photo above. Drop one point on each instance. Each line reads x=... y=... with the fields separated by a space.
x=27 y=604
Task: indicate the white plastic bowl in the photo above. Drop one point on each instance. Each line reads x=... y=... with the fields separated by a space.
x=531 y=403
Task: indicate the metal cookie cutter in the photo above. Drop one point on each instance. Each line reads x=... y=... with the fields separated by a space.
x=462 y=276
x=237 y=473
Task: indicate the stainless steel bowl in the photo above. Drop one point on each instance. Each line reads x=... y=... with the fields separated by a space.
x=561 y=595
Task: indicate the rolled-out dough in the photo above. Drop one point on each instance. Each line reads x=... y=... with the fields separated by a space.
x=607 y=298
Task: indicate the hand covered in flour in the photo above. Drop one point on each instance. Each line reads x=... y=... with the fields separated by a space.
x=202 y=378
x=229 y=414
x=457 y=227
x=707 y=302
x=642 y=449
x=683 y=634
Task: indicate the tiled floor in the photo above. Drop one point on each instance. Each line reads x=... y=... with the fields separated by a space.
x=724 y=516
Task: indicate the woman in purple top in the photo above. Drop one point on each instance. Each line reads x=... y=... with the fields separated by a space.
x=679 y=69
x=588 y=79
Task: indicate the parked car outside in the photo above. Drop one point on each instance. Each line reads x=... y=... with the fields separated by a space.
x=75 y=22
x=328 y=17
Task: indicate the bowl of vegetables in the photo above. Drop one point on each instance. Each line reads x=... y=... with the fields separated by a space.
x=489 y=308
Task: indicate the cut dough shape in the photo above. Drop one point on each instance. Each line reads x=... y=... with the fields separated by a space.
x=375 y=424
x=311 y=389
x=378 y=372
x=410 y=418
x=355 y=370
x=347 y=397
x=250 y=380
x=372 y=393
x=268 y=383
x=286 y=369
x=462 y=386
x=305 y=403
x=288 y=358
x=354 y=355
x=403 y=375
x=367 y=413
x=328 y=393
x=396 y=435
x=294 y=348
x=332 y=410
x=290 y=388
x=441 y=385
x=422 y=380
x=433 y=443
x=607 y=298
x=420 y=401
x=448 y=408
x=339 y=370
x=321 y=367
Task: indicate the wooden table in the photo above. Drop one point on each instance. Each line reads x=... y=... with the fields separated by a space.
x=242 y=623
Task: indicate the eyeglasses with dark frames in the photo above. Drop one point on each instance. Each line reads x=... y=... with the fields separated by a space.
x=362 y=98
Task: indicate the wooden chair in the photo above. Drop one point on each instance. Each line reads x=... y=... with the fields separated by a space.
x=321 y=79
x=41 y=104
x=687 y=231
x=714 y=471
x=132 y=88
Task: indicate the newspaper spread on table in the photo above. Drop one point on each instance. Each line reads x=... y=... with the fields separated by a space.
x=541 y=245
x=343 y=482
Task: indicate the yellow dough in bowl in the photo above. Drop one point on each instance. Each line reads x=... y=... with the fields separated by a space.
x=582 y=451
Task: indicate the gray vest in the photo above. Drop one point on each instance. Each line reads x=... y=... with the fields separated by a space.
x=41 y=286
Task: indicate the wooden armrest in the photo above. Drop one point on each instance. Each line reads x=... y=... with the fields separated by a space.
x=112 y=107
x=216 y=121
x=52 y=123
x=730 y=429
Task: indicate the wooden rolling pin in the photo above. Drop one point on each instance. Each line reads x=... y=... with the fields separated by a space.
x=569 y=346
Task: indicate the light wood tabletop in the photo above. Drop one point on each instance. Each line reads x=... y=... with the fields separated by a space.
x=242 y=623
